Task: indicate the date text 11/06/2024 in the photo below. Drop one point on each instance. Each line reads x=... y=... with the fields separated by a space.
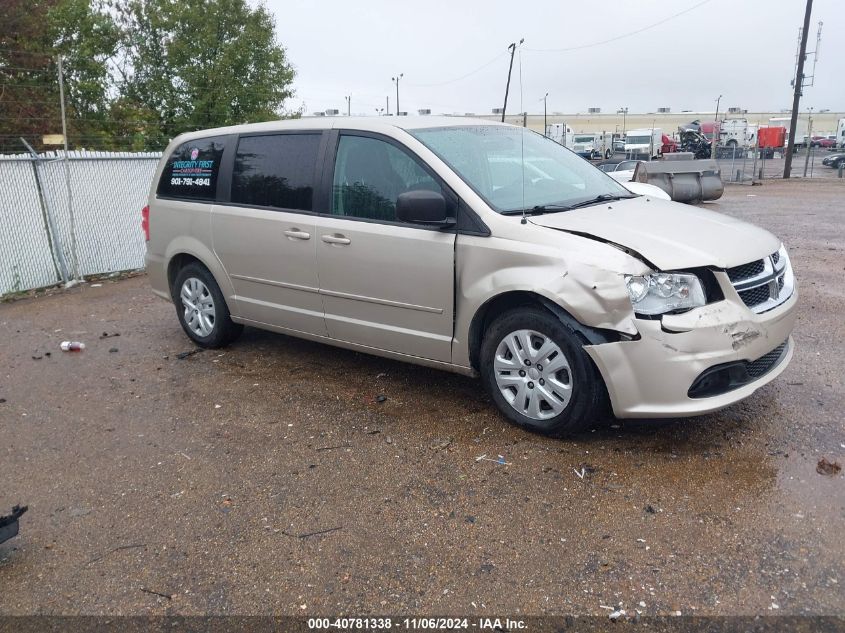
x=482 y=624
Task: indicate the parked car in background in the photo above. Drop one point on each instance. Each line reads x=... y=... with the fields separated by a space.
x=834 y=160
x=473 y=247
x=822 y=141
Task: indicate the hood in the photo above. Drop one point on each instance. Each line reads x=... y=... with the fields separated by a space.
x=670 y=235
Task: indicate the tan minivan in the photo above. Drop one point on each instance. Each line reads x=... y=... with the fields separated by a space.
x=474 y=247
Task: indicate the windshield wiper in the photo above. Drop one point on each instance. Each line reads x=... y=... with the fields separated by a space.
x=604 y=197
x=539 y=209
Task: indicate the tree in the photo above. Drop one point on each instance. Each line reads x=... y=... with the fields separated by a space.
x=137 y=72
x=200 y=63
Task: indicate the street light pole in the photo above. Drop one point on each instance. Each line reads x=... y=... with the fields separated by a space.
x=396 y=81
x=349 y=105
x=624 y=112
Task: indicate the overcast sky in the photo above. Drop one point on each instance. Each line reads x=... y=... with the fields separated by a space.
x=742 y=49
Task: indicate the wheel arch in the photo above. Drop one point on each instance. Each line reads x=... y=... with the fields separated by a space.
x=185 y=251
x=505 y=301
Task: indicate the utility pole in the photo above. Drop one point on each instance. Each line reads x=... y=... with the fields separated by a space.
x=512 y=48
x=387 y=105
x=717 y=129
x=67 y=173
x=799 y=84
x=396 y=81
x=545 y=123
x=348 y=105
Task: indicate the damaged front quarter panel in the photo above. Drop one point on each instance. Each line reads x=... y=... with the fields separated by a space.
x=581 y=276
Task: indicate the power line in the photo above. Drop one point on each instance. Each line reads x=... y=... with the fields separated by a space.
x=618 y=37
x=462 y=77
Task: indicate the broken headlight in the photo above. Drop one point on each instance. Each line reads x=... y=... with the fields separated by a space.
x=659 y=293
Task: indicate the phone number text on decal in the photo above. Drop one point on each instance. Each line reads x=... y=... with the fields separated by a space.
x=196 y=182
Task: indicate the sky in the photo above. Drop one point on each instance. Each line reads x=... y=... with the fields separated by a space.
x=454 y=59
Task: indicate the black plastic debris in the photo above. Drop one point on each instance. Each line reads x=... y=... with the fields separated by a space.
x=9 y=523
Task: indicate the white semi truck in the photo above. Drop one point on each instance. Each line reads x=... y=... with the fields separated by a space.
x=645 y=142
x=560 y=133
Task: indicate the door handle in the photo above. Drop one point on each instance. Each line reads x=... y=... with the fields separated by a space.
x=298 y=235
x=336 y=239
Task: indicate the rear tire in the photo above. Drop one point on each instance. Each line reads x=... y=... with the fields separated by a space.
x=538 y=374
x=201 y=308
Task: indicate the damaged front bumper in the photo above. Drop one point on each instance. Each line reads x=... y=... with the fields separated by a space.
x=696 y=362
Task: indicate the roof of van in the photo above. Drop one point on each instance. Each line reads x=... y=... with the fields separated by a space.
x=373 y=123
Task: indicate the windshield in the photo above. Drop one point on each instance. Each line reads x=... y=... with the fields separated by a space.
x=490 y=160
x=638 y=140
x=583 y=139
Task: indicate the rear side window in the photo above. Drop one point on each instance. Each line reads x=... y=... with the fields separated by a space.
x=191 y=171
x=276 y=170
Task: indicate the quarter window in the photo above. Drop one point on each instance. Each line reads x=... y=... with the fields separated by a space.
x=276 y=170
x=191 y=171
x=369 y=176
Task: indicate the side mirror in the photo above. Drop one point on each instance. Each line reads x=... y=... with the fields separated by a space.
x=423 y=207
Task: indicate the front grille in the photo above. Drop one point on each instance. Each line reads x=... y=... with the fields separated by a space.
x=757 y=368
x=746 y=271
x=764 y=283
x=755 y=296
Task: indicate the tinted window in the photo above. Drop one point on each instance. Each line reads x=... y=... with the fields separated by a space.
x=276 y=171
x=191 y=171
x=370 y=174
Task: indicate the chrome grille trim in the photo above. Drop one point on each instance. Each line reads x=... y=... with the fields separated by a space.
x=771 y=282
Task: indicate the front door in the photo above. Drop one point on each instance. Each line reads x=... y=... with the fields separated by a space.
x=385 y=284
x=266 y=244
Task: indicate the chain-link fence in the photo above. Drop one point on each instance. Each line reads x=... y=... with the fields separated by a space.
x=67 y=217
x=749 y=165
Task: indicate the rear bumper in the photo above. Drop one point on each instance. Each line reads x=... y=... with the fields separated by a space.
x=157 y=274
x=652 y=376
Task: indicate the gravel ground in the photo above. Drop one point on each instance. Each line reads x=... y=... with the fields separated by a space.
x=267 y=478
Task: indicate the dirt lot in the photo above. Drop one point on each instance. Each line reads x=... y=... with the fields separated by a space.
x=267 y=478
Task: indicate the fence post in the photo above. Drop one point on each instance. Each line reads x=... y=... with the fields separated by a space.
x=52 y=232
x=67 y=174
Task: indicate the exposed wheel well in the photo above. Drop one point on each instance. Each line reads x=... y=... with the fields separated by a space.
x=499 y=304
x=177 y=263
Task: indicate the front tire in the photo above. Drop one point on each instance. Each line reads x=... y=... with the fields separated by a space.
x=201 y=308
x=539 y=376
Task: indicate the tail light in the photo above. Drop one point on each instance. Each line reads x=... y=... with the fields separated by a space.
x=145 y=222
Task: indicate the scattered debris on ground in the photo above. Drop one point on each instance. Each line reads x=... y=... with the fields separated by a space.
x=500 y=460
x=825 y=467
x=184 y=355
x=157 y=593
x=316 y=533
x=72 y=346
x=381 y=397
